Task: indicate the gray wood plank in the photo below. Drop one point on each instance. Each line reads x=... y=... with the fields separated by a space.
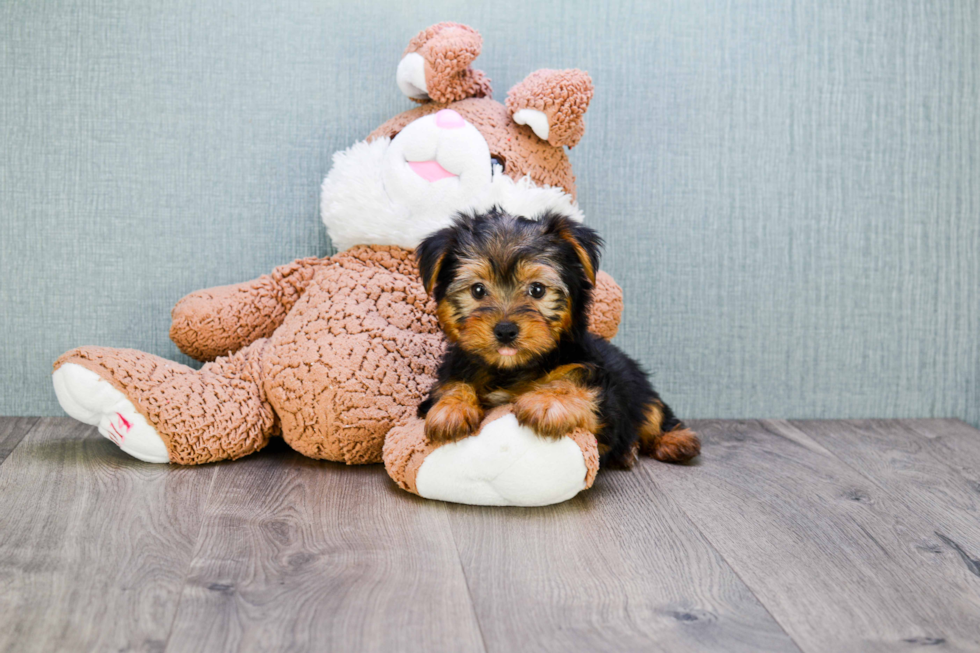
x=297 y=554
x=840 y=563
x=94 y=545
x=618 y=568
x=903 y=463
x=12 y=431
x=955 y=442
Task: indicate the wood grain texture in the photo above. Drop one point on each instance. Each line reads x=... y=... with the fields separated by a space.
x=813 y=536
x=306 y=555
x=617 y=568
x=906 y=465
x=839 y=562
x=94 y=545
x=954 y=442
x=12 y=431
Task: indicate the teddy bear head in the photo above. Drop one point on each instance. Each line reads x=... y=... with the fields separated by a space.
x=460 y=150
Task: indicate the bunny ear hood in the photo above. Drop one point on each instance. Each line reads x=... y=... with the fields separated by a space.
x=553 y=103
x=436 y=65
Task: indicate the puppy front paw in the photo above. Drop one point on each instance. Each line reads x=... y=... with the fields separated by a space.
x=451 y=419
x=557 y=409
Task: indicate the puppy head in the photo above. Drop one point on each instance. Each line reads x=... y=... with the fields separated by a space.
x=509 y=289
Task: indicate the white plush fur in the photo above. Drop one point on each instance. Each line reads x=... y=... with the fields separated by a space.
x=371 y=196
x=505 y=465
x=90 y=399
x=537 y=120
x=410 y=76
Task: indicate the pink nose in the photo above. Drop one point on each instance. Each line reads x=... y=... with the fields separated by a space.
x=449 y=119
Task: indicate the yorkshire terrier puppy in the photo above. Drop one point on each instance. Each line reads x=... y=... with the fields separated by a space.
x=513 y=296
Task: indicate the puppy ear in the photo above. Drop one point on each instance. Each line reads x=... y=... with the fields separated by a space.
x=585 y=241
x=436 y=65
x=553 y=103
x=431 y=255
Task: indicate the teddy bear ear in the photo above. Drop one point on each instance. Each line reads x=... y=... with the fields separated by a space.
x=553 y=103
x=436 y=65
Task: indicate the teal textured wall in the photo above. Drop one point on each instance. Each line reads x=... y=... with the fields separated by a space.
x=790 y=190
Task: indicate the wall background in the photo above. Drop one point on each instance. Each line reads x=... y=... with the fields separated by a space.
x=790 y=190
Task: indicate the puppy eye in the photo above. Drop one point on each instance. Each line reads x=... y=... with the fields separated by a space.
x=536 y=290
x=478 y=290
x=498 y=161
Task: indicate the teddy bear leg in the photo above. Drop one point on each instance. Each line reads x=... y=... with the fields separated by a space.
x=160 y=411
x=503 y=464
x=90 y=399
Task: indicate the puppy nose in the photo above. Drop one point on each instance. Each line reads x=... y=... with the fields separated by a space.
x=449 y=119
x=505 y=332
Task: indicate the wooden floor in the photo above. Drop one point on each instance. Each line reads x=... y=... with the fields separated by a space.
x=785 y=536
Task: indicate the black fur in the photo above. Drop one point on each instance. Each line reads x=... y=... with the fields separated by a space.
x=625 y=392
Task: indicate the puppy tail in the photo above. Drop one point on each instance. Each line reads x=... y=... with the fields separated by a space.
x=666 y=438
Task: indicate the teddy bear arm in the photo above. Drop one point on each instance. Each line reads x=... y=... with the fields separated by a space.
x=217 y=321
x=607 y=306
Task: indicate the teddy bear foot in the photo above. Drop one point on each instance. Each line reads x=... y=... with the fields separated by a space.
x=90 y=399
x=504 y=464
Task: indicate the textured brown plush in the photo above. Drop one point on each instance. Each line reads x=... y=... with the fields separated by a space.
x=216 y=321
x=562 y=95
x=334 y=353
x=218 y=413
x=407 y=448
x=448 y=49
x=351 y=357
x=522 y=152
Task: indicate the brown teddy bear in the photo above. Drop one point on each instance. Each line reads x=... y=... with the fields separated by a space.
x=335 y=354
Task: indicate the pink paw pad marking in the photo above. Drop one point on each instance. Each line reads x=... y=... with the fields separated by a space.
x=116 y=429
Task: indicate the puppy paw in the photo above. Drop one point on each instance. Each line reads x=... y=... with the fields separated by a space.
x=677 y=446
x=624 y=460
x=557 y=409
x=451 y=419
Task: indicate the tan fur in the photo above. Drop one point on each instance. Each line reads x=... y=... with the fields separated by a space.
x=456 y=414
x=558 y=403
x=581 y=253
x=446 y=315
x=651 y=430
x=506 y=299
x=678 y=445
x=430 y=282
x=559 y=318
x=583 y=257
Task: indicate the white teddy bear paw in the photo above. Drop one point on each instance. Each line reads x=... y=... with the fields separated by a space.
x=506 y=464
x=90 y=399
